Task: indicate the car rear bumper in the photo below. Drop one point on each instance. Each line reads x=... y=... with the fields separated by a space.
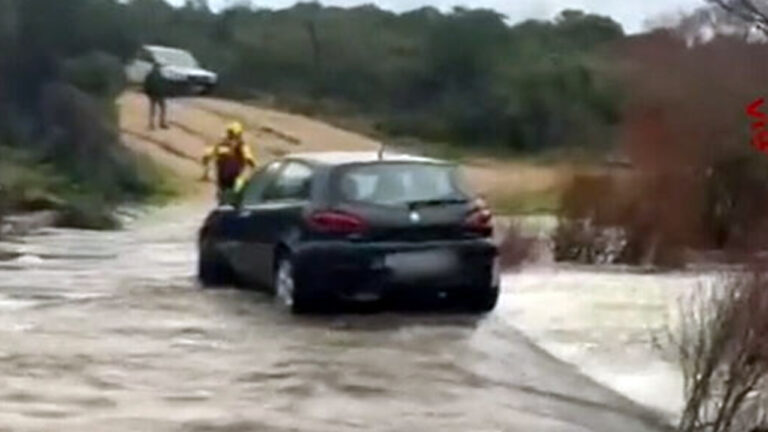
x=366 y=272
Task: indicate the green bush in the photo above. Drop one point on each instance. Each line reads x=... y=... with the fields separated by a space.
x=465 y=77
x=27 y=184
x=97 y=73
x=88 y=213
x=85 y=145
x=60 y=71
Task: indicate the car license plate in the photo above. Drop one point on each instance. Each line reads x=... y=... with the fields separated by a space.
x=421 y=264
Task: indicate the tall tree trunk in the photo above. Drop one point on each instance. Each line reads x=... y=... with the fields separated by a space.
x=316 y=55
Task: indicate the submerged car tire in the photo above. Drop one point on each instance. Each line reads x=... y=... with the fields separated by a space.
x=290 y=293
x=212 y=270
x=483 y=300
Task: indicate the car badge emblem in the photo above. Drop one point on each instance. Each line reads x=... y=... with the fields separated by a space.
x=415 y=218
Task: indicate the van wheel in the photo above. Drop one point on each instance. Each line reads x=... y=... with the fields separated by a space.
x=207 y=90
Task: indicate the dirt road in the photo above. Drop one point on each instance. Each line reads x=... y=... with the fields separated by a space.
x=195 y=122
x=110 y=332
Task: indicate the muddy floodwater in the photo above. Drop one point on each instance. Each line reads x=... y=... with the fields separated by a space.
x=110 y=332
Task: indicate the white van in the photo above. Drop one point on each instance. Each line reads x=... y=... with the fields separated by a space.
x=178 y=66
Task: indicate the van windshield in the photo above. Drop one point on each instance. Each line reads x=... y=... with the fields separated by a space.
x=395 y=184
x=174 y=57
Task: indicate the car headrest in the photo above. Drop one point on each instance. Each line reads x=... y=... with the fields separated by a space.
x=350 y=188
x=389 y=187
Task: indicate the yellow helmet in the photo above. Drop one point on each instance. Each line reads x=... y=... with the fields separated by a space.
x=235 y=128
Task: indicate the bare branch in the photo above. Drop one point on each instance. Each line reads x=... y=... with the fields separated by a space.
x=747 y=10
x=721 y=347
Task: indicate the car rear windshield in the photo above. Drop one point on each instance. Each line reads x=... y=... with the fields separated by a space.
x=394 y=184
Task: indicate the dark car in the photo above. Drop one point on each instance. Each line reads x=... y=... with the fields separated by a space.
x=323 y=230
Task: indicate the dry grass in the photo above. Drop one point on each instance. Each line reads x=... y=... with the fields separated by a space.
x=517 y=187
x=512 y=187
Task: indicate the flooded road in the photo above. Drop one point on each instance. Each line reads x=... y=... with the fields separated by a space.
x=612 y=323
x=110 y=332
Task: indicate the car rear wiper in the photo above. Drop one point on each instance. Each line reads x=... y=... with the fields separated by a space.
x=412 y=205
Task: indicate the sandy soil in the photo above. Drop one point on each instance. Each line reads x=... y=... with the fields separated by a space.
x=196 y=122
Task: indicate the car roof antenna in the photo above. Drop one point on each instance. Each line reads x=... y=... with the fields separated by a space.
x=381 y=152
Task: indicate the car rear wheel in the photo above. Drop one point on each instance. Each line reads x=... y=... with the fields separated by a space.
x=212 y=270
x=289 y=292
x=285 y=284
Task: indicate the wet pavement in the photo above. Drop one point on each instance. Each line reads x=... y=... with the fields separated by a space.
x=110 y=332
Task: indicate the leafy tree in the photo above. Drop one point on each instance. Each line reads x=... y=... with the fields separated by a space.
x=464 y=76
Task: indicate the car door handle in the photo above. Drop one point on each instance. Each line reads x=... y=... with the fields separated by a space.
x=246 y=213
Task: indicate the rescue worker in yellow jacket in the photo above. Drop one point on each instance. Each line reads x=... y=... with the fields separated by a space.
x=231 y=156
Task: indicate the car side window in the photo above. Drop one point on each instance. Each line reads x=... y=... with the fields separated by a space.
x=254 y=190
x=292 y=183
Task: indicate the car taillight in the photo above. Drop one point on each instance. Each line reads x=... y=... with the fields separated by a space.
x=480 y=219
x=336 y=222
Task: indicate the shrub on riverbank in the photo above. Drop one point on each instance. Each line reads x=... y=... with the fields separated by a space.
x=76 y=165
x=57 y=112
x=29 y=184
x=515 y=248
x=723 y=353
x=84 y=143
x=696 y=182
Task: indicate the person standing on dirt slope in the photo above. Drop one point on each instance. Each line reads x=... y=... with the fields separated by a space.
x=232 y=156
x=156 y=90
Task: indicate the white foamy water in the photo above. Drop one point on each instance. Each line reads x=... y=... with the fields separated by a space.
x=608 y=324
